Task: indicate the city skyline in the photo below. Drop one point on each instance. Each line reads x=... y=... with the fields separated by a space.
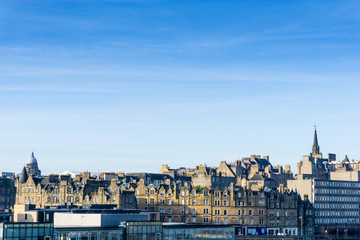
x=315 y=150
x=131 y=85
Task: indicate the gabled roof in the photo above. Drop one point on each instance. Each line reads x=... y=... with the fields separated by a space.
x=257 y=177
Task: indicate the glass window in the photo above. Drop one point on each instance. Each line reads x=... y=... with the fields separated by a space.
x=28 y=231
x=35 y=232
x=22 y=232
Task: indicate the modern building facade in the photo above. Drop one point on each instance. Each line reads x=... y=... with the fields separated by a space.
x=333 y=189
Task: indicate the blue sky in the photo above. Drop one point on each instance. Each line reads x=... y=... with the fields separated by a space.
x=131 y=85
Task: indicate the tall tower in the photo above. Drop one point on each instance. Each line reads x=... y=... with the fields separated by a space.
x=316 y=148
x=32 y=166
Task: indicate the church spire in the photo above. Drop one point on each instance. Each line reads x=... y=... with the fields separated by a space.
x=315 y=147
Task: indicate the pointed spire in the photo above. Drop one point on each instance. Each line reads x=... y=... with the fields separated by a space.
x=23 y=176
x=315 y=147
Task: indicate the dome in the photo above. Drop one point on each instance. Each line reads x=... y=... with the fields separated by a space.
x=32 y=159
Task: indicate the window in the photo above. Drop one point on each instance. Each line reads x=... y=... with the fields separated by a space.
x=205 y=220
x=225 y=194
x=169 y=219
x=225 y=203
x=261 y=212
x=250 y=212
x=250 y=195
x=261 y=221
x=169 y=202
x=239 y=212
x=194 y=219
x=193 y=211
x=193 y=202
x=217 y=194
x=250 y=203
x=225 y=212
x=152 y=201
x=217 y=212
x=169 y=210
x=152 y=192
x=250 y=221
x=25 y=217
x=182 y=202
x=206 y=211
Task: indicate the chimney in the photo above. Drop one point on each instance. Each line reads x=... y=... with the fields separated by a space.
x=306 y=197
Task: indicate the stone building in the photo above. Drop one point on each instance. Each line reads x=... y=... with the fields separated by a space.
x=7 y=193
x=273 y=211
x=247 y=172
x=55 y=190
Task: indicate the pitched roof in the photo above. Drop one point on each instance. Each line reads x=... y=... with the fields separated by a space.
x=23 y=176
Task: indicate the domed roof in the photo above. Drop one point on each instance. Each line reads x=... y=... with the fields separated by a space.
x=32 y=159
